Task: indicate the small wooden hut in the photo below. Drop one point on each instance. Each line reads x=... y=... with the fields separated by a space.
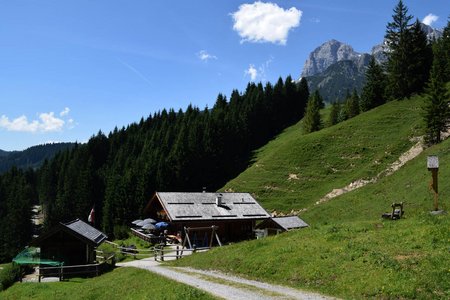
x=72 y=243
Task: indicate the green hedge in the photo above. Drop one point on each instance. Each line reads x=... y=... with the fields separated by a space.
x=8 y=275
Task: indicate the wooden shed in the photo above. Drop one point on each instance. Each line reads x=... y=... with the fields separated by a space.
x=235 y=214
x=277 y=225
x=72 y=243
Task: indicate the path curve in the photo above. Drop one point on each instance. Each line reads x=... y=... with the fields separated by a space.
x=223 y=285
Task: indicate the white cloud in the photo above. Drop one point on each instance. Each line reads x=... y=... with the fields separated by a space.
x=252 y=72
x=50 y=123
x=19 y=124
x=71 y=124
x=260 y=72
x=205 y=56
x=65 y=112
x=430 y=19
x=265 y=22
x=47 y=122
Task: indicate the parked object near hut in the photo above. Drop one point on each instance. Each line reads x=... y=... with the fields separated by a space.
x=278 y=225
x=397 y=212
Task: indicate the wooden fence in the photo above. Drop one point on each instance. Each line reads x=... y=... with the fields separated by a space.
x=66 y=271
x=160 y=253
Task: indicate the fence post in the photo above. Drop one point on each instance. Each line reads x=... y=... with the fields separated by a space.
x=161 y=250
x=60 y=273
x=176 y=256
x=156 y=253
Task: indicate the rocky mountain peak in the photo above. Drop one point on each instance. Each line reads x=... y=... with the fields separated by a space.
x=327 y=54
x=431 y=32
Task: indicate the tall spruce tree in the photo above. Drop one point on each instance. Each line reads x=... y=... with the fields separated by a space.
x=445 y=40
x=421 y=58
x=312 y=121
x=333 y=118
x=398 y=37
x=436 y=109
x=373 y=93
x=352 y=105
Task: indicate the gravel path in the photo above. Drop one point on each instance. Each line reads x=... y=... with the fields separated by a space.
x=395 y=166
x=223 y=285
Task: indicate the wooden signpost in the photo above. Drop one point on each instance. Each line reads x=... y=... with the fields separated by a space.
x=433 y=166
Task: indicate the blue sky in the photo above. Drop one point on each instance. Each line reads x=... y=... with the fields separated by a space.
x=71 y=68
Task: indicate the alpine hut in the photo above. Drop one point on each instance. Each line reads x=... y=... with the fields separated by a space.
x=233 y=214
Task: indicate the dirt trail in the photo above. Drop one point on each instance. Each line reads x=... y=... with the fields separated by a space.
x=402 y=160
x=223 y=285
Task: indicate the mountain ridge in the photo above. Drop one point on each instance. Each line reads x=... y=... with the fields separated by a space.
x=32 y=157
x=324 y=70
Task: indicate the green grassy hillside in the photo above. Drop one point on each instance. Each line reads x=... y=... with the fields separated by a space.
x=295 y=170
x=349 y=251
x=122 y=283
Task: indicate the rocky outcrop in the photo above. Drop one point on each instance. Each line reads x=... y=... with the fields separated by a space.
x=326 y=55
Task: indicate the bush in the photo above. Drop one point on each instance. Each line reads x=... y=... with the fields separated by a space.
x=9 y=275
x=121 y=232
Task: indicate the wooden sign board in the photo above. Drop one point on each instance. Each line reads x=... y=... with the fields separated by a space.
x=433 y=162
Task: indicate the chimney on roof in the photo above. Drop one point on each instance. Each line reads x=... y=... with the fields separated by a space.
x=204 y=189
x=219 y=199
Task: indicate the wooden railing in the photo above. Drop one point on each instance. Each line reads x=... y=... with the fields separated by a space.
x=160 y=253
x=62 y=271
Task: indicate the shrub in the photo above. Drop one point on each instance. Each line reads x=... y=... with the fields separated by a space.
x=9 y=275
x=121 y=232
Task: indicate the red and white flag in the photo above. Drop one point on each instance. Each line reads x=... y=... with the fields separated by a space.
x=91 y=216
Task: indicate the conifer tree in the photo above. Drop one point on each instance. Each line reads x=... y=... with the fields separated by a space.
x=312 y=121
x=436 y=109
x=303 y=95
x=445 y=40
x=421 y=58
x=373 y=93
x=352 y=105
x=333 y=118
x=398 y=42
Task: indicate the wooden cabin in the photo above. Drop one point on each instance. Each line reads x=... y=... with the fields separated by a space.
x=72 y=243
x=235 y=214
x=277 y=225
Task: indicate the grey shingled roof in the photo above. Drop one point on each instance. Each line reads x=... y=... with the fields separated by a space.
x=202 y=206
x=290 y=222
x=87 y=231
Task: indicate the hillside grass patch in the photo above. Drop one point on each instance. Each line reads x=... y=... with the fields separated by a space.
x=359 y=148
x=373 y=259
x=122 y=283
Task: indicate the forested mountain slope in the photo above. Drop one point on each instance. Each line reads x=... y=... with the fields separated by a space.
x=167 y=151
x=32 y=157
